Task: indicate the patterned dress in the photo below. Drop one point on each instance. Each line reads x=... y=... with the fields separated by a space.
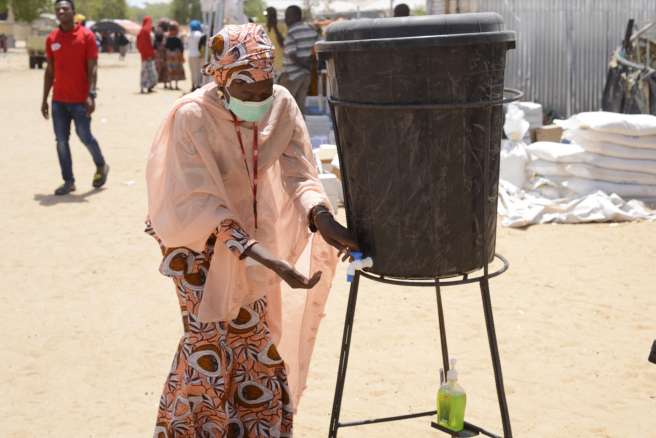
x=227 y=378
x=175 y=59
x=160 y=59
x=148 y=74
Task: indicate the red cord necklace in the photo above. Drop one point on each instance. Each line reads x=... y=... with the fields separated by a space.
x=243 y=153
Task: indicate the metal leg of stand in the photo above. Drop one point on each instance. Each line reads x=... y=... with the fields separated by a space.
x=442 y=325
x=344 y=355
x=496 y=361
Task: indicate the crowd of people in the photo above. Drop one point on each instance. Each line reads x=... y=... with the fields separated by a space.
x=113 y=42
x=106 y=41
x=162 y=52
x=162 y=55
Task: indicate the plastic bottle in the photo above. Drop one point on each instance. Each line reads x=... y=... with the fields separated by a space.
x=441 y=402
x=451 y=402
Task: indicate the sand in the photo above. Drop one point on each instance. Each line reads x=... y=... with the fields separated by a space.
x=90 y=327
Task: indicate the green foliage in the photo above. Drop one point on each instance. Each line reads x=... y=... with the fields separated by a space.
x=185 y=10
x=26 y=10
x=255 y=9
x=87 y=8
x=111 y=9
x=100 y=9
x=419 y=11
x=155 y=10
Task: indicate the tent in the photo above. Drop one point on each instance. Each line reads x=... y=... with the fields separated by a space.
x=107 y=26
x=130 y=26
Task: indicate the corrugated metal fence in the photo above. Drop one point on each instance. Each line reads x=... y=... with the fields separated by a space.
x=564 y=46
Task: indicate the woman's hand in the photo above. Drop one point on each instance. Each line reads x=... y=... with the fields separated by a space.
x=284 y=270
x=295 y=279
x=335 y=234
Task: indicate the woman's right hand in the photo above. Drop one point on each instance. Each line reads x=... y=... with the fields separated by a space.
x=295 y=279
x=284 y=270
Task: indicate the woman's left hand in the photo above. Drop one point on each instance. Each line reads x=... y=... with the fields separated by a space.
x=336 y=235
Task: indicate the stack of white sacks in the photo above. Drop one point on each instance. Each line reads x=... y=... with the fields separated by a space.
x=331 y=184
x=604 y=167
x=600 y=151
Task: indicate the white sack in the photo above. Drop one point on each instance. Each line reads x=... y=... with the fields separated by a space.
x=625 y=124
x=533 y=113
x=582 y=186
x=634 y=141
x=610 y=149
x=514 y=159
x=515 y=126
x=587 y=171
x=523 y=208
x=617 y=151
x=574 y=153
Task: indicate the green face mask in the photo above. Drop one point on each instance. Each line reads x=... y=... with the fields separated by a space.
x=249 y=111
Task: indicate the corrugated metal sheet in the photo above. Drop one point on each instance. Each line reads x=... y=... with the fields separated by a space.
x=564 y=46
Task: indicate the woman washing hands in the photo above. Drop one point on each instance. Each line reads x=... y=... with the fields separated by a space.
x=234 y=200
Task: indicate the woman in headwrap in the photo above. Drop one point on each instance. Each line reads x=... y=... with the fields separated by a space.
x=235 y=203
x=174 y=55
x=160 y=52
x=147 y=52
x=193 y=53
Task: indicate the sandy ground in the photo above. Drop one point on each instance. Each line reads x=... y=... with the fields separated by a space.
x=89 y=326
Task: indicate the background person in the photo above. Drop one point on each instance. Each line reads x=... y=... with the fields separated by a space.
x=277 y=38
x=107 y=42
x=81 y=20
x=72 y=70
x=147 y=52
x=401 y=10
x=174 y=55
x=193 y=54
x=123 y=44
x=298 y=55
x=160 y=52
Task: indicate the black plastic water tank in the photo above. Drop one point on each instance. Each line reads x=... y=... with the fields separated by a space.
x=417 y=106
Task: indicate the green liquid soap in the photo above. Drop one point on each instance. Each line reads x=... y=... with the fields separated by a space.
x=451 y=403
x=442 y=407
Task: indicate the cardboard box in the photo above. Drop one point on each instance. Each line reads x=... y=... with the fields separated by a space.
x=549 y=133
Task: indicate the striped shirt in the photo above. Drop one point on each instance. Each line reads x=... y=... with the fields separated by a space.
x=299 y=41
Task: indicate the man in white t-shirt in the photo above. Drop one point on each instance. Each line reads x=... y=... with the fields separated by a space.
x=193 y=53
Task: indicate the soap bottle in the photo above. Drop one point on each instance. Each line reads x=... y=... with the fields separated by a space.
x=451 y=401
x=442 y=401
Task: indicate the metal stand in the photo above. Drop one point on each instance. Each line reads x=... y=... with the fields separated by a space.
x=481 y=278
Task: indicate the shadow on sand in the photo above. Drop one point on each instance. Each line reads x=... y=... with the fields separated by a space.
x=72 y=198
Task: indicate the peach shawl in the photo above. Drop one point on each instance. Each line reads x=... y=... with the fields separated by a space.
x=196 y=179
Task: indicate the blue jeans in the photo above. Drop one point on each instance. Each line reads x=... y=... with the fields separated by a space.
x=62 y=114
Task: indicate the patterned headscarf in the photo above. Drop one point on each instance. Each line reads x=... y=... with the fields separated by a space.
x=242 y=52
